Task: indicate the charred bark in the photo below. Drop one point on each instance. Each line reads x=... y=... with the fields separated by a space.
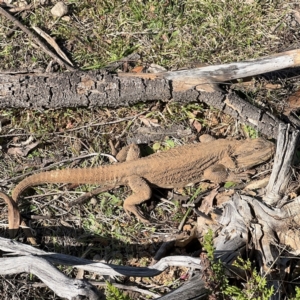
x=99 y=88
x=105 y=89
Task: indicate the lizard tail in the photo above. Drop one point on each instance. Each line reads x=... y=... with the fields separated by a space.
x=100 y=175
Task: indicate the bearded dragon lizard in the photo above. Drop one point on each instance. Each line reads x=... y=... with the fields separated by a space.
x=218 y=161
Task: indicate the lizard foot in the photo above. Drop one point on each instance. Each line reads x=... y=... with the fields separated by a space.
x=141 y=192
x=133 y=209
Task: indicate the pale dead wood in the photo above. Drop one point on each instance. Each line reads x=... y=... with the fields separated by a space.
x=39 y=263
x=280 y=176
x=54 y=279
x=17 y=248
x=205 y=78
x=236 y=70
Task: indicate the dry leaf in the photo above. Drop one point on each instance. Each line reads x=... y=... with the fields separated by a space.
x=297 y=16
x=187 y=227
x=138 y=69
x=290 y=238
x=223 y=197
x=292 y=195
x=21 y=151
x=271 y=86
x=154 y=68
x=257 y=184
x=207 y=202
x=206 y=138
x=69 y=125
x=15 y=139
x=293 y=102
x=165 y=38
x=149 y=122
x=197 y=125
x=66 y=18
x=184 y=239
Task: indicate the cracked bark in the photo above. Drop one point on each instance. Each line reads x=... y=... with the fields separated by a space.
x=104 y=89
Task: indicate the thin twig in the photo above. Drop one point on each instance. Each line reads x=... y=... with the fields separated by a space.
x=109 y=123
x=125 y=287
x=36 y=39
x=89 y=195
x=188 y=210
x=111 y=157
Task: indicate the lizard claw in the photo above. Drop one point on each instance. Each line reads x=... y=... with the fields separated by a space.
x=133 y=209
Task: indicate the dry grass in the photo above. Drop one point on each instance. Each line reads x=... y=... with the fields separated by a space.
x=172 y=34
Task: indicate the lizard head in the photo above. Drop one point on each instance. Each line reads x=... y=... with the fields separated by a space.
x=253 y=152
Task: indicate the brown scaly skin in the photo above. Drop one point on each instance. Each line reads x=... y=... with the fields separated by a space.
x=177 y=167
x=13 y=214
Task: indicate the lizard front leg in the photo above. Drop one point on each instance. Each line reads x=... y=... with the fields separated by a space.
x=218 y=173
x=141 y=192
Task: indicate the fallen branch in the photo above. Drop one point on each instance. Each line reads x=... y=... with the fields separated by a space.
x=55 y=280
x=101 y=88
x=17 y=248
x=39 y=262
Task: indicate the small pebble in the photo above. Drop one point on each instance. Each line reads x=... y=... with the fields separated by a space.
x=59 y=9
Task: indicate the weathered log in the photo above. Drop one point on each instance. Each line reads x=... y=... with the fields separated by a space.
x=101 y=88
x=54 y=279
x=17 y=248
x=40 y=263
x=281 y=172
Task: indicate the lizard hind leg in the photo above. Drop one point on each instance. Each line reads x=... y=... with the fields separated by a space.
x=141 y=192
